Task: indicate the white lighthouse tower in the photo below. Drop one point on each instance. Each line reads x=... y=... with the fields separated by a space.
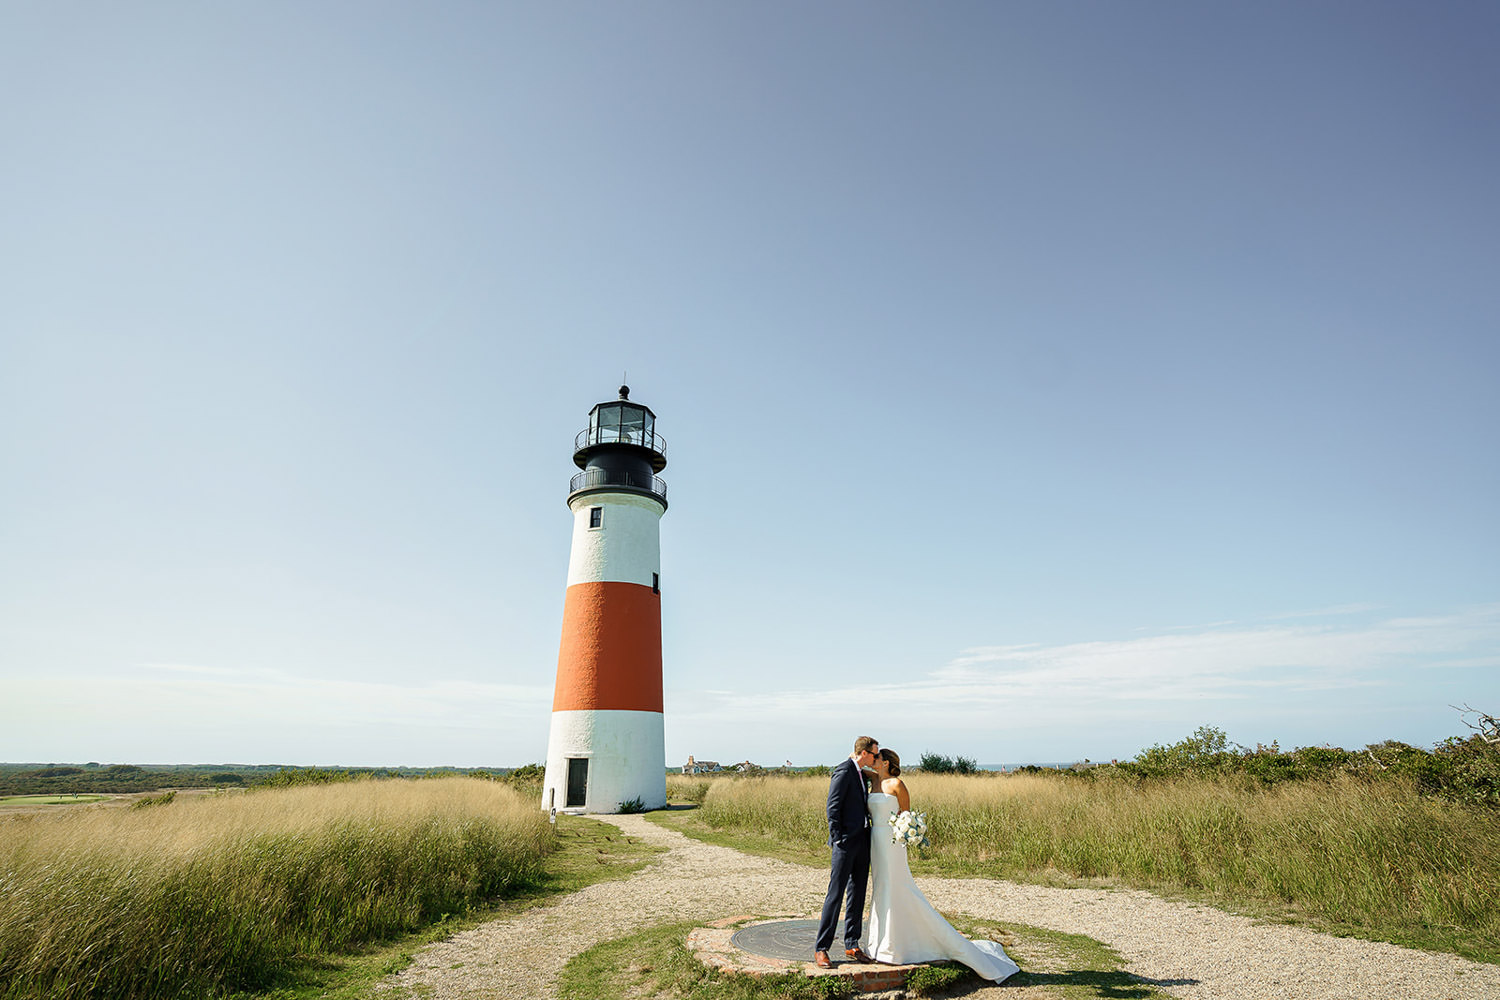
x=607 y=745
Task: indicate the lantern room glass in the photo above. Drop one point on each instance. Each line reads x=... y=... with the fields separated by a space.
x=621 y=422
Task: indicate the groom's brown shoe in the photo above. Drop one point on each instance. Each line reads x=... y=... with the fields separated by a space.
x=857 y=955
x=821 y=960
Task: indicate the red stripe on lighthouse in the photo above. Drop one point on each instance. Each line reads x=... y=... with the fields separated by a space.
x=610 y=657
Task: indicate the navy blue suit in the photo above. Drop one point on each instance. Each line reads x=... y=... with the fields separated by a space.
x=849 y=836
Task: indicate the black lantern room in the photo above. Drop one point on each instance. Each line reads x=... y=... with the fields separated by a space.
x=620 y=451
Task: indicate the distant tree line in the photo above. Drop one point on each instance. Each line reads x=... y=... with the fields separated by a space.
x=1465 y=768
x=113 y=779
x=121 y=779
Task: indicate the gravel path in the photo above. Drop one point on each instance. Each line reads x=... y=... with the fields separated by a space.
x=1195 y=952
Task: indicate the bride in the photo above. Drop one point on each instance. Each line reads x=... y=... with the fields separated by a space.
x=904 y=928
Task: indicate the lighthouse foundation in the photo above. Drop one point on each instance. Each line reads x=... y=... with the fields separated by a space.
x=595 y=761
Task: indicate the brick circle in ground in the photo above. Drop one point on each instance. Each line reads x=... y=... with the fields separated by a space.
x=716 y=946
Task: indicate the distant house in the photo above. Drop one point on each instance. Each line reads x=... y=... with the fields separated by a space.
x=700 y=766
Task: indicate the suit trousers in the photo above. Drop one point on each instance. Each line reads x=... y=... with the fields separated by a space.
x=848 y=875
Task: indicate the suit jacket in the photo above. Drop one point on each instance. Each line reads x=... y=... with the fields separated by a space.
x=847 y=818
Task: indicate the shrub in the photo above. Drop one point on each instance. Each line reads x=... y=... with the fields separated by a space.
x=1467 y=769
x=290 y=777
x=526 y=774
x=1204 y=752
x=526 y=779
x=1462 y=768
x=635 y=805
x=1324 y=758
x=164 y=799
x=936 y=763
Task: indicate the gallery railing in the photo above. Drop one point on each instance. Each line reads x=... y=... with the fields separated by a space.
x=590 y=436
x=594 y=479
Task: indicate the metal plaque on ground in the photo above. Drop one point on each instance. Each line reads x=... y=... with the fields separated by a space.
x=791 y=940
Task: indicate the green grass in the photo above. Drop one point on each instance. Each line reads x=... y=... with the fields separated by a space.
x=244 y=892
x=48 y=800
x=656 y=962
x=1367 y=859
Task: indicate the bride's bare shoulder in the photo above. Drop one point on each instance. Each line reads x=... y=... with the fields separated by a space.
x=892 y=785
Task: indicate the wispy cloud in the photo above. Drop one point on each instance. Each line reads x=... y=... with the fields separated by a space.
x=1179 y=664
x=1221 y=663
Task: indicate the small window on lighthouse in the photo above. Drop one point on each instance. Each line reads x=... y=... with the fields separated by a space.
x=656 y=583
x=596 y=517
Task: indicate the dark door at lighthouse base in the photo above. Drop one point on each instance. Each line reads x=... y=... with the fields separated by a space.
x=578 y=780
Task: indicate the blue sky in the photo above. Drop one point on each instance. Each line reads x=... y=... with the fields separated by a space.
x=1041 y=381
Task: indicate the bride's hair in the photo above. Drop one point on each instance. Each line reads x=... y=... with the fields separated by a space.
x=886 y=753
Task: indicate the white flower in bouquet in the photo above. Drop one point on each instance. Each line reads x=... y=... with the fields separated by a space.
x=909 y=829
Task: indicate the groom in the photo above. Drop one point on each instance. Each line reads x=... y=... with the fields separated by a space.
x=849 y=835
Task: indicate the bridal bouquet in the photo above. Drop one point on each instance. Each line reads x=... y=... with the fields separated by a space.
x=909 y=829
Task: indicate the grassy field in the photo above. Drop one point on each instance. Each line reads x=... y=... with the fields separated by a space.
x=48 y=800
x=1372 y=859
x=221 y=893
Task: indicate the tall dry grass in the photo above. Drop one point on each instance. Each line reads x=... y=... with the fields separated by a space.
x=687 y=788
x=222 y=892
x=1374 y=855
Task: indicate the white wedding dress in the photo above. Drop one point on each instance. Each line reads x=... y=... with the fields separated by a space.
x=903 y=927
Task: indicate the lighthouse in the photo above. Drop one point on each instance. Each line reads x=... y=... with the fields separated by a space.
x=606 y=746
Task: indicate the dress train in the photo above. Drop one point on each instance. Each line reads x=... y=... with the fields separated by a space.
x=904 y=928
